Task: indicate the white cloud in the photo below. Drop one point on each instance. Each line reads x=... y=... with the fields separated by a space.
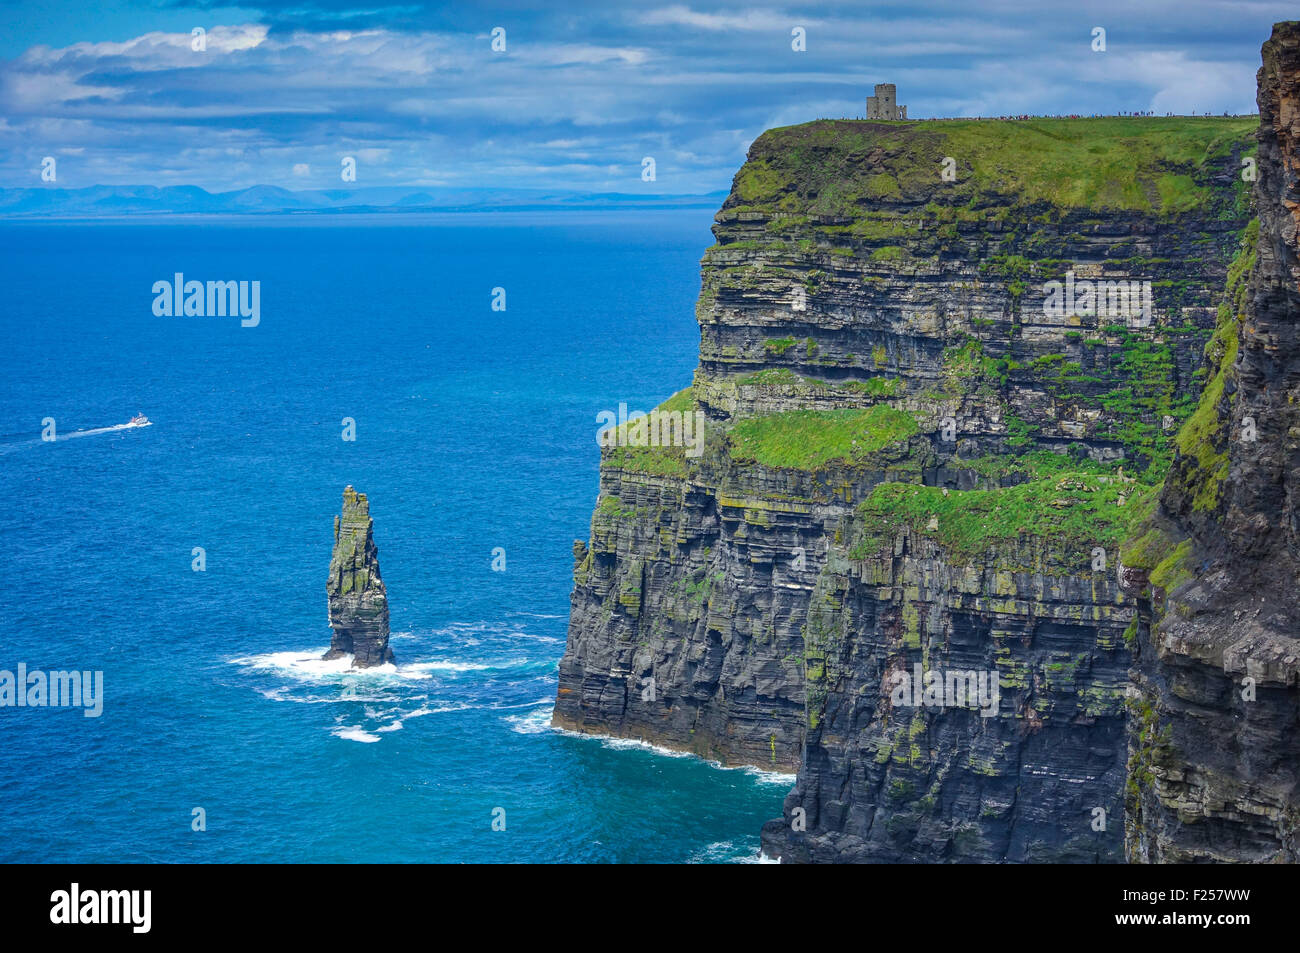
x=747 y=20
x=154 y=50
x=577 y=101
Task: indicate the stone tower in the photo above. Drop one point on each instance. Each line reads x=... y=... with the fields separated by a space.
x=884 y=105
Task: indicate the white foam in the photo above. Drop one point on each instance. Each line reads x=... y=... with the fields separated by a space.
x=762 y=775
x=534 y=723
x=309 y=666
x=304 y=677
x=447 y=666
x=355 y=733
x=534 y=637
x=421 y=712
x=281 y=694
x=60 y=437
x=94 y=430
x=728 y=852
x=540 y=701
x=626 y=744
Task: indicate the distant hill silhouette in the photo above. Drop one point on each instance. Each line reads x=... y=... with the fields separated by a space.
x=118 y=200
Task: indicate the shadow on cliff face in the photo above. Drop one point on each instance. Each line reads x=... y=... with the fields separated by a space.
x=1214 y=757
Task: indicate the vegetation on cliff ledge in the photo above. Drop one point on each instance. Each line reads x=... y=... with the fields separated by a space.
x=1072 y=512
x=1142 y=164
x=808 y=439
x=1202 y=438
x=660 y=461
x=858 y=178
x=1195 y=480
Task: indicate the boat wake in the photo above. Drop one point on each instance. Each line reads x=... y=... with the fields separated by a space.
x=18 y=441
x=98 y=430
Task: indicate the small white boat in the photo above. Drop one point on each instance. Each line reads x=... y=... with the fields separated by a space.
x=139 y=420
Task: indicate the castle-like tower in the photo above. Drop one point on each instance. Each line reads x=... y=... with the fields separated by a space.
x=884 y=105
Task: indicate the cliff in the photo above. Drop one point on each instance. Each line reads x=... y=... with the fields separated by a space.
x=358 y=600
x=1214 y=754
x=918 y=452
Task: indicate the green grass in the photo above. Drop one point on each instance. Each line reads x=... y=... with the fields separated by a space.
x=1175 y=569
x=1135 y=390
x=1033 y=465
x=1098 y=164
x=778 y=346
x=809 y=439
x=1200 y=438
x=1203 y=461
x=1151 y=164
x=879 y=387
x=1073 y=512
x=1022 y=172
x=660 y=461
x=755 y=181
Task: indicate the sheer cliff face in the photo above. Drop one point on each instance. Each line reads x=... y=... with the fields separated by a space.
x=1214 y=749
x=357 y=599
x=920 y=460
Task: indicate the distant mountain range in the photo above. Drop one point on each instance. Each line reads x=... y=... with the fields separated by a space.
x=103 y=201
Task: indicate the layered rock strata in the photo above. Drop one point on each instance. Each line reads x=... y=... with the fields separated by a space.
x=921 y=457
x=1214 y=746
x=358 y=601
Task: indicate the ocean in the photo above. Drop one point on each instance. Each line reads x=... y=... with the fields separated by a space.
x=474 y=432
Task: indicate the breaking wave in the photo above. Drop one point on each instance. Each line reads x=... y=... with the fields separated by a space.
x=462 y=667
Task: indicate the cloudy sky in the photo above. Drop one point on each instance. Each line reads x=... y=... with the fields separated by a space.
x=583 y=90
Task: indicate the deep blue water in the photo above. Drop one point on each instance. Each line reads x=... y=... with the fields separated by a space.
x=475 y=430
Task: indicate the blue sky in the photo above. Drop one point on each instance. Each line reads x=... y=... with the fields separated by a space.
x=583 y=91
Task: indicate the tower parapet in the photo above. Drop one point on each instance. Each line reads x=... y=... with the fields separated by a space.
x=884 y=105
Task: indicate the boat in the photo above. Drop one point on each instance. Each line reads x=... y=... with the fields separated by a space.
x=139 y=420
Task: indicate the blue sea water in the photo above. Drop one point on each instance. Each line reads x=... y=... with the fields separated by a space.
x=475 y=429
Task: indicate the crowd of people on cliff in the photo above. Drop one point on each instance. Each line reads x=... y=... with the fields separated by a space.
x=1131 y=115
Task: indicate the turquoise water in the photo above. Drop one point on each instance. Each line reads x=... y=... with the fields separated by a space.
x=475 y=429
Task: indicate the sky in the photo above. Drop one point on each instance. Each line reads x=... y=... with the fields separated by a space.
x=580 y=95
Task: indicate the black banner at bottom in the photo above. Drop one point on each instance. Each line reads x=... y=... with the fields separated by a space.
x=140 y=903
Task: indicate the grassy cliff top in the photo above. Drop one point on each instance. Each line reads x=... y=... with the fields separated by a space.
x=837 y=167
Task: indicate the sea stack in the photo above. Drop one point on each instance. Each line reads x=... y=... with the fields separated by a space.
x=358 y=600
